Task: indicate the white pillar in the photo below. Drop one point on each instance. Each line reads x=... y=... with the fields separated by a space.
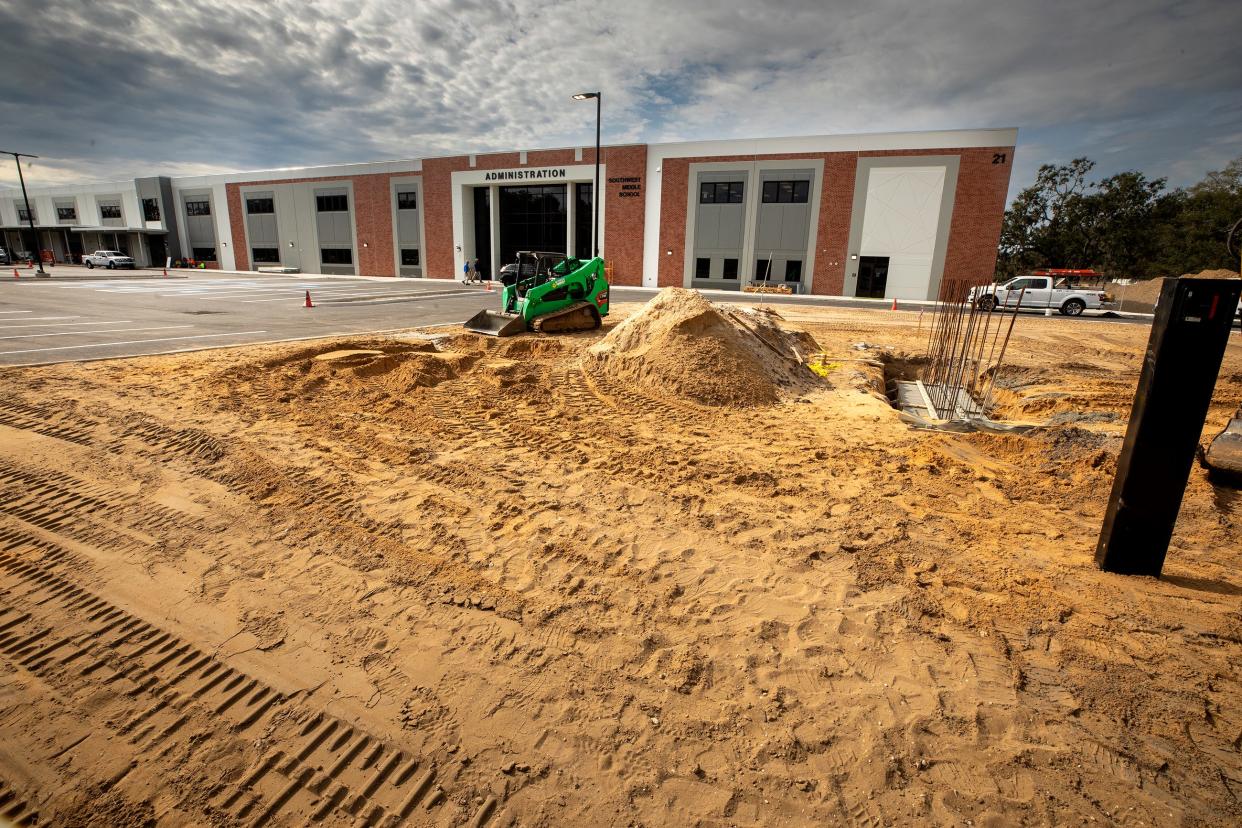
x=571 y=208
x=493 y=201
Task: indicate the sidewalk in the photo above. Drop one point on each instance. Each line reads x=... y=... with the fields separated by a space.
x=76 y=273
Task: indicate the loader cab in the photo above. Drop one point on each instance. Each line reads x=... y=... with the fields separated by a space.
x=533 y=269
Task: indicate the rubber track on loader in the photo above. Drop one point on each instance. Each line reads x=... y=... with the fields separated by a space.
x=580 y=316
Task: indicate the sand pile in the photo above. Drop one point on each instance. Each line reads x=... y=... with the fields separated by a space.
x=1140 y=297
x=681 y=345
x=349 y=368
x=1212 y=274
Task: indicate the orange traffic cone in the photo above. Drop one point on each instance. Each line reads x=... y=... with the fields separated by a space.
x=489 y=285
x=309 y=303
x=16 y=275
x=165 y=273
x=30 y=264
x=894 y=307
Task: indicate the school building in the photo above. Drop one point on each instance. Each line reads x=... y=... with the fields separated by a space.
x=882 y=215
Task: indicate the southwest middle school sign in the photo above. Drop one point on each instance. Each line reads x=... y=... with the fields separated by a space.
x=546 y=173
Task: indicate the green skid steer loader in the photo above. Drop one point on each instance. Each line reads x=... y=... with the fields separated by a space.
x=550 y=293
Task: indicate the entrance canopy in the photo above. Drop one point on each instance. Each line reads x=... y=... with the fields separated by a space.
x=81 y=229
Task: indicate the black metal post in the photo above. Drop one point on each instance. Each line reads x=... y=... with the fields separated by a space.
x=595 y=195
x=1184 y=352
x=17 y=157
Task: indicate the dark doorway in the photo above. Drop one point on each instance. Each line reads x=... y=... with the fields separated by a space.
x=872 y=276
x=74 y=242
x=157 y=250
x=584 y=221
x=30 y=243
x=483 y=230
x=532 y=218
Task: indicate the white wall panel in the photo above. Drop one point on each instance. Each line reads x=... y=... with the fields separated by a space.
x=901 y=220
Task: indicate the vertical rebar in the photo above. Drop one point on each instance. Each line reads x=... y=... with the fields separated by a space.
x=959 y=335
x=1001 y=359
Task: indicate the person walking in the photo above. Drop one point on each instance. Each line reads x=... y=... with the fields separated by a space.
x=474 y=266
x=465 y=271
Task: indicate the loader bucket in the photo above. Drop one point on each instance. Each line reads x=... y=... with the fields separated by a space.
x=1224 y=456
x=491 y=323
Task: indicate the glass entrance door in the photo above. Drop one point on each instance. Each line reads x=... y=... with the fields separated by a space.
x=532 y=218
x=584 y=221
x=872 y=276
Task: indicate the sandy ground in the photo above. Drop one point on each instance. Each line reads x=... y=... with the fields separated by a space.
x=485 y=585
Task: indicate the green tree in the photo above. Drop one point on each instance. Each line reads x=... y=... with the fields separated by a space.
x=1190 y=229
x=1040 y=227
x=1119 y=230
x=1063 y=220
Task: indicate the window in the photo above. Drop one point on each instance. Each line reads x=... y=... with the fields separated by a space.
x=761 y=270
x=702 y=268
x=332 y=203
x=110 y=211
x=198 y=208
x=721 y=192
x=1029 y=284
x=793 y=271
x=151 y=209
x=260 y=206
x=535 y=218
x=407 y=201
x=786 y=192
x=24 y=214
x=265 y=255
x=67 y=213
x=730 y=268
x=336 y=255
x=409 y=257
x=205 y=254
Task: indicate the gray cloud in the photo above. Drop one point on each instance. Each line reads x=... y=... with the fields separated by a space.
x=111 y=88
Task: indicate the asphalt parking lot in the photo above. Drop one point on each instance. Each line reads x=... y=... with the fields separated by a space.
x=69 y=318
x=80 y=315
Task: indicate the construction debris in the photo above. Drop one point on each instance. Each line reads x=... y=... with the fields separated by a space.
x=962 y=361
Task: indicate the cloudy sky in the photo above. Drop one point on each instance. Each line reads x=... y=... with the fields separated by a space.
x=114 y=88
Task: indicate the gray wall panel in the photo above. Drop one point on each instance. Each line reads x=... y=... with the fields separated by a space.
x=199 y=230
x=408 y=223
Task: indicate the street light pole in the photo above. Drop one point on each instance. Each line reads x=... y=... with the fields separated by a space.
x=595 y=195
x=17 y=157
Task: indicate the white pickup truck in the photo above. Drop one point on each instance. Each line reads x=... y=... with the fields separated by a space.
x=1041 y=292
x=108 y=258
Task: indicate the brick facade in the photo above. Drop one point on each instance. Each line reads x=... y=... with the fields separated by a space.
x=978 y=210
x=974 y=233
x=978 y=213
x=372 y=206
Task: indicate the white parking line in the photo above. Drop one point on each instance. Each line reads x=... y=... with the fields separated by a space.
x=44 y=318
x=337 y=295
x=391 y=299
x=79 y=333
x=262 y=291
x=132 y=342
x=65 y=324
x=16 y=311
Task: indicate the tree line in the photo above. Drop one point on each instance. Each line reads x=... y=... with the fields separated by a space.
x=1126 y=225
